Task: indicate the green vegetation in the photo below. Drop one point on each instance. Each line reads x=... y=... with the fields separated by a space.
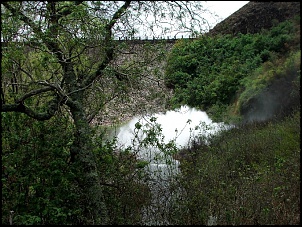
x=285 y=71
x=212 y=73
x=248 y=175
x=39 y=182
x=58 y=168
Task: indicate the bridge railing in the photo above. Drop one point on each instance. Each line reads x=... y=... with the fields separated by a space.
x=169 y=39
x=146 y=39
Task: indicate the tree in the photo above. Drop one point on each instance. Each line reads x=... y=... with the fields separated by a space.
x=54 y=54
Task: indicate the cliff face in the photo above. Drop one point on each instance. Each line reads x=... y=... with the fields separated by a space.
x=254 y=16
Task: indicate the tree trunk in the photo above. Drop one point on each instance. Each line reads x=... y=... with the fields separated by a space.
x=85 y=162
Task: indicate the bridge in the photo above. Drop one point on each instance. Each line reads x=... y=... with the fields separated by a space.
x=135 y=40
x=139 y=40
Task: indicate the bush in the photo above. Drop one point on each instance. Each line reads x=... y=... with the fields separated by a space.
x=213 y=70
x=247 y=175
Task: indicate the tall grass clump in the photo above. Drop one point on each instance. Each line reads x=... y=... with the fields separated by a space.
x=247 y=175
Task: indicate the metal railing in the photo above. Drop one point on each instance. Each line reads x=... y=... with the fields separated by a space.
x=153 y=39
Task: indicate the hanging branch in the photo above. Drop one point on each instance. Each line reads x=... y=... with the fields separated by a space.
x=108 y=51
x=20 y=107
x=54 y=48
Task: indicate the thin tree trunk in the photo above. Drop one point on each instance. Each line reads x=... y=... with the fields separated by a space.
x=89 y=180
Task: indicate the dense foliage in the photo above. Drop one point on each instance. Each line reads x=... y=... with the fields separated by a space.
x=248 y=175
x=59 y=60
x=60 y=169
x=39 y=183
x=213 y=71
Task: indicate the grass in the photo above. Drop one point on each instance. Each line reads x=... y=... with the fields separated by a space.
x=247 y=175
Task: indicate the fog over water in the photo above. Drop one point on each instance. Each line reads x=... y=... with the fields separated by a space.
x=181 y=126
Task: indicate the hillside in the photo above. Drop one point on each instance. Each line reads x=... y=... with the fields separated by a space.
x=250 y=174
x=255 y=16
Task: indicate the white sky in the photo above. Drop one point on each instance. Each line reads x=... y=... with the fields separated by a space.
x=225 y=8
x=222 y=9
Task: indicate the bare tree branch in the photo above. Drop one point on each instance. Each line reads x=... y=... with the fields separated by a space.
x=108 y=51
x=23 y=70
x=24 y=18
x=51 y=45
x=52 y=106
x=54 y=87
x=20 y=107
x=33 y=93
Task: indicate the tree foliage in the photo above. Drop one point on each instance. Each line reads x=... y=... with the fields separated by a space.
x=58 y=62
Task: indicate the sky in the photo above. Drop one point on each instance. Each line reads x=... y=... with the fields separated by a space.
x=225 y=8
x=222 y=9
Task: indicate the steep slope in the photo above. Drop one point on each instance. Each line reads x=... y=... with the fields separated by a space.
x=277 y=99
x=255 y=16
